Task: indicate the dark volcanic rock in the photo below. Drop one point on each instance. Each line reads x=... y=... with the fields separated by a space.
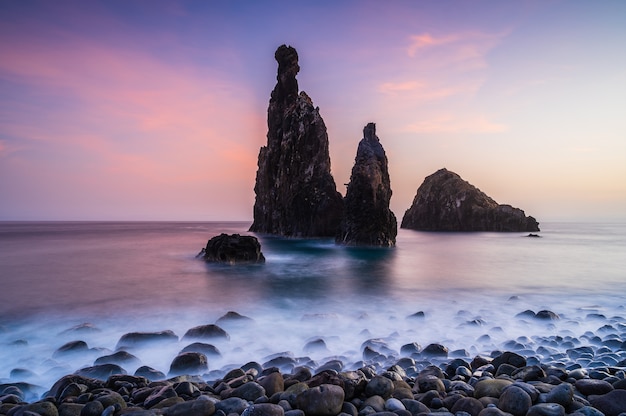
x=296 y=194
x=445 y=202
x=367 y=219
x=232 y=249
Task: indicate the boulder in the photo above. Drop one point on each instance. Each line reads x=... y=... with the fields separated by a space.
x=296 y=194
x=445 y=202
x=367 y=219
x=233 y=248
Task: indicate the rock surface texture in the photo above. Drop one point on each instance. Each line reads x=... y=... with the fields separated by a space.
x=367 y=219
x=296 y=194
x=445 y=202
x=233 y=248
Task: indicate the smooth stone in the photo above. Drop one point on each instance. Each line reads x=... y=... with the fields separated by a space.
x=324 y=400
x=415 y=406
x=210 y=331
x=149 y=373
x=111 y=398
x=611 y=404
x=589 y=411
x=379 y=386
x=264 y=409
x=272 y=383
x=509 y=357
x=101 y=372
x=469 y=405
x=546 y=409
x=490 y=387
x=193 y=407
x=316 y=345
x=232 y=317
x=493 y=411
x=412 y=348
x=435 y=350
x=206 y=349
x=94 y=408
x=158 y=395
x=375 y=402
x=231 y=405
x=120 y=358
x=137 y=339
x=547 y=315
x=71 y=347
x=394 y=404
x=249 y=391
x=562 y=394
x=529 y=373
x=298 y=412
x=189 y=363
x=590 y=387
x=70 y=409
x=514 y=400
x=429 y=382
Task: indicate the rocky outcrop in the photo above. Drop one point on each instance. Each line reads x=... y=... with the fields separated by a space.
x=367 y=219
x=232 y=249
x=445 y=202
x=296 y=194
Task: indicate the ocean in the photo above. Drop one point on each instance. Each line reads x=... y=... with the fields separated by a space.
x=122 y=277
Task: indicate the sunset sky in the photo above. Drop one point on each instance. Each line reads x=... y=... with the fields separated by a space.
x=156 y=110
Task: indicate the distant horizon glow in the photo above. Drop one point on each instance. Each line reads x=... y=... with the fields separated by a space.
x=156 y=110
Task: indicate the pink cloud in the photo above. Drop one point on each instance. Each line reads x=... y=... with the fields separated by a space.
x=461 y=51
x=451 y=124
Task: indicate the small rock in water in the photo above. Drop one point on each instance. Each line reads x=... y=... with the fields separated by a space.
x=206 y=349
x=233 y=249
x=137 y=339
x=206 y=332
x=188 y=363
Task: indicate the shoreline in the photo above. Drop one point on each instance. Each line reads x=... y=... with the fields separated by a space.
x=559 y=374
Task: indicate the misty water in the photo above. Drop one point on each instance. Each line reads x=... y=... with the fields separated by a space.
x=129 y=277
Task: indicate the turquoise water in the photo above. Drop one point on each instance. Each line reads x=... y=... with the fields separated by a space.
x=124 y=277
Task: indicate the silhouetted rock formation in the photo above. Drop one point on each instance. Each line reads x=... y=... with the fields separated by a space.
x=367 y=219
x=445 y=202
x=295 y=192
x=232 y=249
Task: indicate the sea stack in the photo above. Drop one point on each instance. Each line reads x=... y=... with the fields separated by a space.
x=445 y=202
x=296 y=195
x=367 y=219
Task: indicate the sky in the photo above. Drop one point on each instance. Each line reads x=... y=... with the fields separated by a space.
x=156 y=110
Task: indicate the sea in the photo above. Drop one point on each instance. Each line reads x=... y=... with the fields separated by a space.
x=465 y=291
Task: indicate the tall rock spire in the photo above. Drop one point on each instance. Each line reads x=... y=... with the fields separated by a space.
x=367 y=219
x=296 y=194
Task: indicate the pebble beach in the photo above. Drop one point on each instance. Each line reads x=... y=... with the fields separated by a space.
x=567 y=373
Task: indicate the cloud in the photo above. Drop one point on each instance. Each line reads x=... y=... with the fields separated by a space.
x=451 y=124
x=460 y=51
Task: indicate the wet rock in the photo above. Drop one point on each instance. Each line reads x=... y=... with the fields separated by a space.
x=445 y=202
x=232 y=249
x=206 y=349
x=210 y=331
x=72 y=347
x=119 y=358
x=101 y=372
x=546 y=409
x=435 y=350
x=159 y=395
x=379 y=386
x=490 y=387
x=469 y=405
x=562 y=394
x=429 y=382
x=272 y=383
x=514 y=400
x=189 y=363
x=249 y=391
x=231 y=405
x=324 y=400
x=611 y=403
x=232 y=317
x=367 y=219
x=593 y=387
x=264 y=409
x=149 y=373
x=137 y=339
x=94 y=408
x=547 y=315
x=295 y=192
